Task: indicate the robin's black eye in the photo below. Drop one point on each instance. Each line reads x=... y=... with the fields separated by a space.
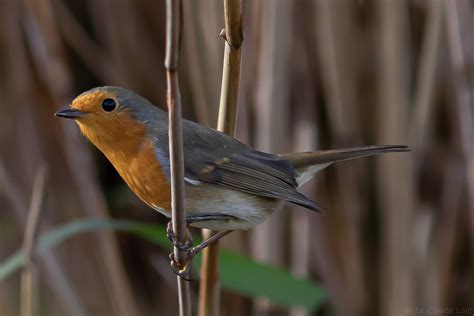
x=109 y=105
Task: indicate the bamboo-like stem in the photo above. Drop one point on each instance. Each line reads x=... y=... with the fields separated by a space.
x=54 y=271
x=427 y=75
x=461 y=87
x=62 y=288
x=29 y=276
x=49 y=59
x=231 y=70
x=173 y=41
x=209 y=295
x=395 y=174
x=233 y=35
x=340 y=92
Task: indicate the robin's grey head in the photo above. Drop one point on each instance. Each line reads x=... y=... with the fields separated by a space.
x=107 y=103
x=105 y=113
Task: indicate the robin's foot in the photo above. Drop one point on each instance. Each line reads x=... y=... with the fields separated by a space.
x=181 y=269
x=184 y=246
x=193 y=251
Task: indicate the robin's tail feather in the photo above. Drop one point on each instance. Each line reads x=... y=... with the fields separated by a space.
x=306 y=164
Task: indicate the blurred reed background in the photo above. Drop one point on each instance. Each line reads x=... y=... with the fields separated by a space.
x=398 y=236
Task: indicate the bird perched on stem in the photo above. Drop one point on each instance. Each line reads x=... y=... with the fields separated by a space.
x=229 y=185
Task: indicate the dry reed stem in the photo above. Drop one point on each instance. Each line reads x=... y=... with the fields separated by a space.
x=211 y=18
x=300 y=221
x=332 y=71
x=29 y=297
x=209 y=286
x=234 y=37
x=12 y=192
x=442 y=258
x=462 y=88
x=57 y=277
x=304 y=235
x=173 y=43
x=195 y=52
x=272 y=114
x=50 y=60
x=209 y=291
x=420 y=129
x=395 y=173
x=426 y=77
x=340 y=98
x=20 y=87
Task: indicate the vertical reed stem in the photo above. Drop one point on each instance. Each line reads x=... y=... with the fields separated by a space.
x=173 y=39
x=29 y=276
x=209 y=286
x=463 y=98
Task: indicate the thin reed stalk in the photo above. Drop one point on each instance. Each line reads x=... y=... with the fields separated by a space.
x=233 y=36
x=395 y=174
x=55 y=274
x=50 y=60
x=421 y=122
x=29 y=277
x=272 y=112
x=231 y=71
x=334 y=31
x=461 y=86
x=173 y=41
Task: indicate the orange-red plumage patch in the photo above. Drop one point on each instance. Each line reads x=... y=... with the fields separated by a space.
x=145 y=177
x=124 y=142
x=90 y=102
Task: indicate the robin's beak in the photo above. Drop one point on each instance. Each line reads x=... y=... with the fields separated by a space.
x=70 y=113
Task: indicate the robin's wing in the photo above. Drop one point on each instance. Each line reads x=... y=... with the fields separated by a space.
x=215 y=158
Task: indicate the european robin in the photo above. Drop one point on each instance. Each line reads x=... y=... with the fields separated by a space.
x=229 y=185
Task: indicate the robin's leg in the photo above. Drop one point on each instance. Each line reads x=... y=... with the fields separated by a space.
x=182 y=270
x=188 y=243
x=209 y=217
x=184 y=246
x=197 y=249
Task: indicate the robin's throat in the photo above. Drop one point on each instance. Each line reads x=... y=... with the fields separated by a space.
x=135 y=159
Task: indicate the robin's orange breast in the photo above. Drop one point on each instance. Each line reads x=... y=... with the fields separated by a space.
x=144 y=175
x=125 y=143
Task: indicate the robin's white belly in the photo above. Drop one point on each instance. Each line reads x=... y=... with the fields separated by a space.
x=239 y=210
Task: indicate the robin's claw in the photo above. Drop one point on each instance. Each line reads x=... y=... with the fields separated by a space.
x=181 y=270
x=186 y=246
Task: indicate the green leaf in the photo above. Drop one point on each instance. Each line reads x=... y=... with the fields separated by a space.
x=238 y=273
x=243 y=275
x=12 y=264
